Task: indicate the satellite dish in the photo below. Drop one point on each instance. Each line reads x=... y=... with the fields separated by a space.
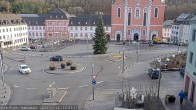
x=163 y=1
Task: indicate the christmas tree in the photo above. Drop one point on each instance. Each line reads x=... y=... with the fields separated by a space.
x=100 y=40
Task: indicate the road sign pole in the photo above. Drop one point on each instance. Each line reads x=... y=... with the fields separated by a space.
x=93 y=74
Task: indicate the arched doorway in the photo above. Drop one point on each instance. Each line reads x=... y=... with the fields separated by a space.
x=118 y=38
x=136 y=37
x=153 y=36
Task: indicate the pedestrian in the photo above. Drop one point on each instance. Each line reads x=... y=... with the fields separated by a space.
x=181 y=95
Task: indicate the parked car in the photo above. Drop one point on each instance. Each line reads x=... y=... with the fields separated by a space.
x=40 y=45
x=33 y=47
x=56 y=58
x=24 y=48
x=24 y=69
x=182 y=71
x=154 y=73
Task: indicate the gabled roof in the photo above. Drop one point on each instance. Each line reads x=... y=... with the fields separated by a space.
x=34 y=21
x=167 y=23
x=57 y=10
x=183 y=16
x=58 y=13
x=89 y=20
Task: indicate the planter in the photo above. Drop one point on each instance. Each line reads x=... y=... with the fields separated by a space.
x=170 y=98
x=62 y=66
x=52 y=68
x=73 y=67
x=68 y=63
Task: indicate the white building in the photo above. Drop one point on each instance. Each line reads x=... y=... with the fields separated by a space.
x=166 y=32
x=83 y=27
x=36 y=25
x=180 y=29
x=13 y=31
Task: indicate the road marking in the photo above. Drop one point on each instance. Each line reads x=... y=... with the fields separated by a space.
x=16 y=86
x=52 y=84
x=64 y=88
x=31 y=88
x=99 y=82
x=83 y=86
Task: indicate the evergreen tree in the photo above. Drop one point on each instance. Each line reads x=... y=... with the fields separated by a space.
x=100 y=40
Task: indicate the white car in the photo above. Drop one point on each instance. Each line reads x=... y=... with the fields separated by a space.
x=24 y=48
x=24 y=69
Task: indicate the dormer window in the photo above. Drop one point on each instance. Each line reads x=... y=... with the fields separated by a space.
x=62 y=16
x=50 y=16
x=56 y=16
x=86 y=22
x=71 y=22
x=93 y=22
x=78 y=22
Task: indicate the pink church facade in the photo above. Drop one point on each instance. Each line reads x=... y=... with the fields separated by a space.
x=130 y=20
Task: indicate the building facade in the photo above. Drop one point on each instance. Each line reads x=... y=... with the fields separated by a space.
x=137 y=19
x=190 y=74
x=181 y=29
x=13 y=31
x=59 y=25
x=36 y=26
x=83 y=27
x=166 y=32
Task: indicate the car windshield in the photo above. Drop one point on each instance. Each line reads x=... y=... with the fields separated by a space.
x=156 y=72
x=24 y=67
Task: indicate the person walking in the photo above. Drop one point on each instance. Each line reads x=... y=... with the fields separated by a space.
x=181 y=95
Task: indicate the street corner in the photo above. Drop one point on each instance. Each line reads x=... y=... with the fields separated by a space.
x=5 y=93
x=66 y=70
x=55 y=95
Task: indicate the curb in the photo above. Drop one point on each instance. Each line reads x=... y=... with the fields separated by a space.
x=45 y=71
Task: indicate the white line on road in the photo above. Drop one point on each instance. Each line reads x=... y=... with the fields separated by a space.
x=64 y=88
x=31 y=88
x=99 y=82
x=83 y=86
x=16 y=86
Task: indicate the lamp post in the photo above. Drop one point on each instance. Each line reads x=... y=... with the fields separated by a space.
x=159 y=83
x=1 y=64
x=137 y=50
x=123 y=69
x=149 y=17
x=87 y=45
x=51 y=36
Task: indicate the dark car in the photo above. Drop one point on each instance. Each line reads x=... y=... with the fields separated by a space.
x=56 y=58
x=182 y=71
x=154 y=73
x=32 y=47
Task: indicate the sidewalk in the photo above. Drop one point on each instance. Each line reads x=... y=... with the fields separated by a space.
x=105 y=97
x=5 y=90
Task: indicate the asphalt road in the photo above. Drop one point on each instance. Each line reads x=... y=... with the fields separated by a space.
x=29 y=89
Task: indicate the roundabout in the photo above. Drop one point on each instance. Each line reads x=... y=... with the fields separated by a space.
x=65 y=70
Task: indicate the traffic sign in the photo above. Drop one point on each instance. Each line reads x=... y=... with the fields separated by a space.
x=94 y=76
x=94 y=82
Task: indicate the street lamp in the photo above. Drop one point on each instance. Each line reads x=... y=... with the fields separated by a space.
x=1 y=64
x=86 y=45
x=159 y=60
